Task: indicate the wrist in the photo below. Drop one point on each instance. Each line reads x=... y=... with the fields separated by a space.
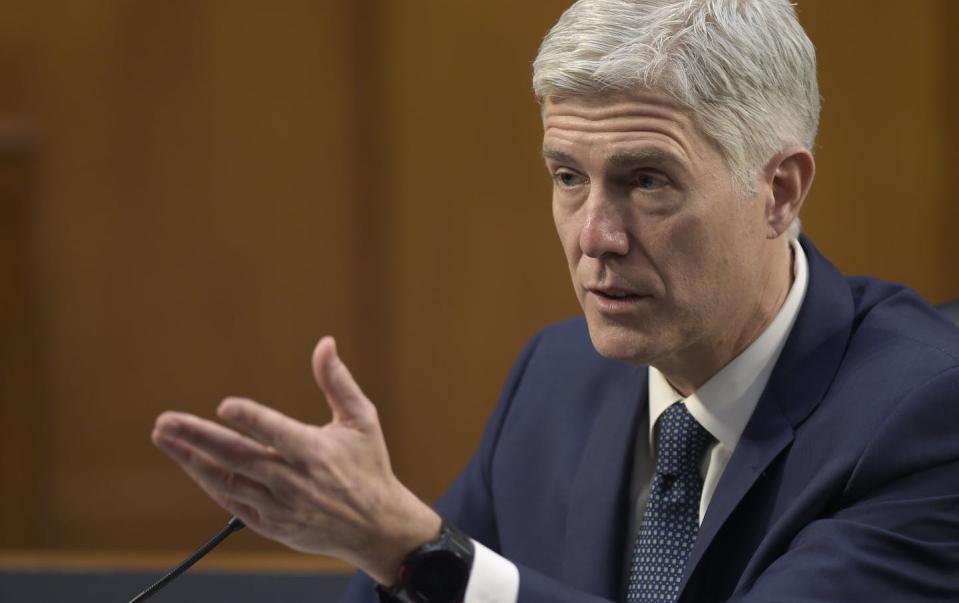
x=415 y=528
x=436 y=572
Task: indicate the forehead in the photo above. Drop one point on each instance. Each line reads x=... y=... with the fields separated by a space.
x=630 y=122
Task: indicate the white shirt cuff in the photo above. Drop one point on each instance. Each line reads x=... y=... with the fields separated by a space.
x=493 y=579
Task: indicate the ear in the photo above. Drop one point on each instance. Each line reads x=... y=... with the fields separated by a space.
x=790 y=174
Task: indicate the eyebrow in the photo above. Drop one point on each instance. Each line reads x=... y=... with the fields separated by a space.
x=557 y=156
x=629 y=159
x=623 y=160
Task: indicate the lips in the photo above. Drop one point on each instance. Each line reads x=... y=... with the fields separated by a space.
x=614 y=300
x=613 y=293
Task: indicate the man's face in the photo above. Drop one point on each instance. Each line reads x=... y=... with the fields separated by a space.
x=665 y=254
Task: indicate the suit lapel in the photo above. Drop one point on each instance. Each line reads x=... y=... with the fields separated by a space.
x=766 y=435
x=801 y=378
x=595 y=525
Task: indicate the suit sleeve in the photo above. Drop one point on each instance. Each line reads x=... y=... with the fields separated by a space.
x=468 y=504
x=897 y=537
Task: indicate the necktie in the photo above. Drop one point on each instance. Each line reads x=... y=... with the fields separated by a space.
x=671 y=519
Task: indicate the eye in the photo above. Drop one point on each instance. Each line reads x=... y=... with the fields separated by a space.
x=567 y=179
x=649 y=182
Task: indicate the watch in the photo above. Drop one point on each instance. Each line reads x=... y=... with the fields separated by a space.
x=436 y=572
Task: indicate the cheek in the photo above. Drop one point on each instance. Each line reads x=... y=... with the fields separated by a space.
x=567 y=228
x=691 y=262
x=681 y=246
x=710 y=257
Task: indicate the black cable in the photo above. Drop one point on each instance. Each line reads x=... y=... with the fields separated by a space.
x=232 y=526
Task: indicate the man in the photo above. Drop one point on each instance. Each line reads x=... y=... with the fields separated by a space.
x=733 y=420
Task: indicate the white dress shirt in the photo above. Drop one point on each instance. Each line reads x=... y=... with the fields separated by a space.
x=723 y=406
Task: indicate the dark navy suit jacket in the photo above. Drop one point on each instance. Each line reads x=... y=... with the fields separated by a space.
x=843 y=487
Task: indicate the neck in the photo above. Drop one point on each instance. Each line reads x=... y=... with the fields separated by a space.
x=694 y=366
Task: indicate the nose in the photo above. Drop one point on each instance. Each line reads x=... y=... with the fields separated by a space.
x=604 y=230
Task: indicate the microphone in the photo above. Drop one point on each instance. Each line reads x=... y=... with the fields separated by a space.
x=232 y=526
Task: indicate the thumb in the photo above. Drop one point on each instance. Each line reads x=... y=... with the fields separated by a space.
x=346 y=399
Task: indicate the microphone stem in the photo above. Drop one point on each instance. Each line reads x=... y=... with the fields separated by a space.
x=232 y=526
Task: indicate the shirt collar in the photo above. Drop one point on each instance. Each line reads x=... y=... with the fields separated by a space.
x=725 y=402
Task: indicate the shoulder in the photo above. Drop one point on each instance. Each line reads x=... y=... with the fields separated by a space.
x=566 y=341
x=897 y=333
x=563 y=354
x=561 y=381
x=869 y=340
x=898 y=372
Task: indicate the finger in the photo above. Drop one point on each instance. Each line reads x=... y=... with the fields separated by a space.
x=346 y=399
x=233 y=451
x=224 y=486
x=286 y=435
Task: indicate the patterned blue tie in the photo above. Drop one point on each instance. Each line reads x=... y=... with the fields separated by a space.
x=671 y=519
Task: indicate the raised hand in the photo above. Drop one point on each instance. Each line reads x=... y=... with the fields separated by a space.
x=328 y=489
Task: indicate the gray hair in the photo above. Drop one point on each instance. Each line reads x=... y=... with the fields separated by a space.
x=745 y=68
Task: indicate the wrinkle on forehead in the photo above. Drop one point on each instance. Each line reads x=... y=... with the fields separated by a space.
x=620 y=117
x=604 y=106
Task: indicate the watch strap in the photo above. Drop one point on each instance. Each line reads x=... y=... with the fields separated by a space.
x=453 y=550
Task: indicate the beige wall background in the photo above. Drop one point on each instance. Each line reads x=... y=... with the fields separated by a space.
x=191 y=193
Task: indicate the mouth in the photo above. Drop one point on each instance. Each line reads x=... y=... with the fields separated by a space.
x=611 y=300
x=612 y=293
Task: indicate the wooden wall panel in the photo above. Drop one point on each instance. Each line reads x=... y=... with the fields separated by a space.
x=19 y=382
x=477 y=268
x=945 y=103
x=882 y=201
x=215 y=184
x=194 y=234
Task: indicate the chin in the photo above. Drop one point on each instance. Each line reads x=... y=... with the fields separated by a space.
x=620 y=342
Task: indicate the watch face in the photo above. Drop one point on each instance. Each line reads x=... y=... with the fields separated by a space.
x=438 y=577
